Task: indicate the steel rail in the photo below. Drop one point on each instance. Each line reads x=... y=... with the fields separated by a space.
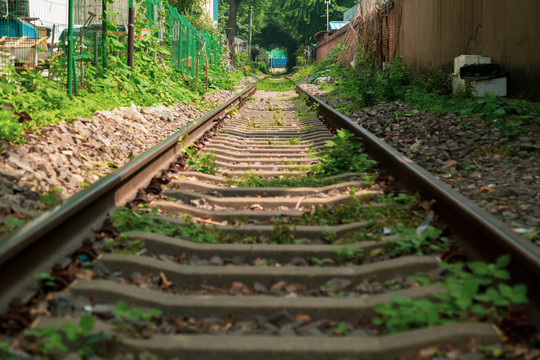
x=478 y=232
x=41 y=243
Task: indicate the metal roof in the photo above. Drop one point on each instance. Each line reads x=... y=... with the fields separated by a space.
x=336 y=25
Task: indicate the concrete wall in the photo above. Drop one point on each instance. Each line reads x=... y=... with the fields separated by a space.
x=436 y=31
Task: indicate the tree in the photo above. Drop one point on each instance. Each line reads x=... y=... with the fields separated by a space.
x=241 y=7
x=230 y=30
x=188 y=7
x=281 y=23
x=304 y=18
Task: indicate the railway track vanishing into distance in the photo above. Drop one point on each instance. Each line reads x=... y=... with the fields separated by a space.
x=255 y=255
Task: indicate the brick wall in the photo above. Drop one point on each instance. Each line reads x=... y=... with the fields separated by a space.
x=378 y=30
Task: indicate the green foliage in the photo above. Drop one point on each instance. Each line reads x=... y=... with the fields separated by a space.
x=144 y=220
x=294 y=141
x=368 y=85
x=437 y=81
x=52 y=198
x=122 y=310
x=341 y=329
x=199 y=161
x=310 y=13
x=271 y=84
x=342 y=155
x=5 y=352
x=409 y=242
x=249 y=179
x=506 y=115
x=304 y=72
x=378 y=212
x=45 y=281
x=282 y=233
x=350 y=255
x=70 y=338
x=141 y=219
x=473 y=291
x=33 y=101
x=12 y=224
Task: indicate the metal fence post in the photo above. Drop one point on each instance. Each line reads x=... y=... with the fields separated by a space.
x=104 y=33
x=70 y=64
x=131 y=34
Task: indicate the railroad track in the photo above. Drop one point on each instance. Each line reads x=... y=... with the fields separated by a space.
x=229 y=263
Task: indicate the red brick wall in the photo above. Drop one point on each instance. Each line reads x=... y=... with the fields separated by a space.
x=388 y=35
x=379 y=33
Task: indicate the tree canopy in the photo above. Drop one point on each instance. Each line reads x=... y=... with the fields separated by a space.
x=288 y=24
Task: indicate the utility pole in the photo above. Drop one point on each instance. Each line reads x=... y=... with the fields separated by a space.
x=327 y=2
x=250 y=29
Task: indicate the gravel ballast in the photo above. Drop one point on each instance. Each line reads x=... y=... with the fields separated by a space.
x=64 y=158
x=501 y=175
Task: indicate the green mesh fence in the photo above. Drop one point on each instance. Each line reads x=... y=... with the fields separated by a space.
x=192 y=49
x=34 y=36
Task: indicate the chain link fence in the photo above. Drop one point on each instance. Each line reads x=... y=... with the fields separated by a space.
x=34 y=36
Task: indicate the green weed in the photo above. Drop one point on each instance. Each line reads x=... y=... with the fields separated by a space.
x=409 y=242
x=6 y=353
x=343 y=155
x=370 y=86
x=279 y=85
x=123 y=311
x=294 y=141
x=70 y=338
x=349 y=255
x=476 y=290
x=199 y=161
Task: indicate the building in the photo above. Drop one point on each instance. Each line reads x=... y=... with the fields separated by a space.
x=211 y=9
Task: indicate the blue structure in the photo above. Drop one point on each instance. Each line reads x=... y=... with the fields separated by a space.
x=14 y=27
x=336 y=25
x=278 y=63
x=215 y=10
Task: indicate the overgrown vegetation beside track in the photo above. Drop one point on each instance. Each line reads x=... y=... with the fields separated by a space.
x=367 y=85
x=30 y=100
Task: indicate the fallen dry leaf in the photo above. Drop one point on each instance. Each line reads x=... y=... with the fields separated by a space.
x=427 y=353
x=164 y=282
x=303 y=318
x=486 y=189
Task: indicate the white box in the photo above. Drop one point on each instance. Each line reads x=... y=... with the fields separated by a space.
x=495 y=86
x=463 y=60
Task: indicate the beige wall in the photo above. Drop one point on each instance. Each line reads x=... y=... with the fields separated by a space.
x=436 y=31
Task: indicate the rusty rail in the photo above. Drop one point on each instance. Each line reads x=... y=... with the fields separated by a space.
x=41 y=243
x=479 y=232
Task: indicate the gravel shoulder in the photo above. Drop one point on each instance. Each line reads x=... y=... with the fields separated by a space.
x=501 y=175
x=64 y=158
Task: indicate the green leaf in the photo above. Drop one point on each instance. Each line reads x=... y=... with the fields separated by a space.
x=87 y=324
x=121 y=306
x=503 y=261
x=505 y=290
x=71 y=331
x=502 y=274
x=470 y=288
x=520 y=289
x=464 y=302
x=478 y=310
x=55 y=342
x=479 y=268
x=155 y=312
